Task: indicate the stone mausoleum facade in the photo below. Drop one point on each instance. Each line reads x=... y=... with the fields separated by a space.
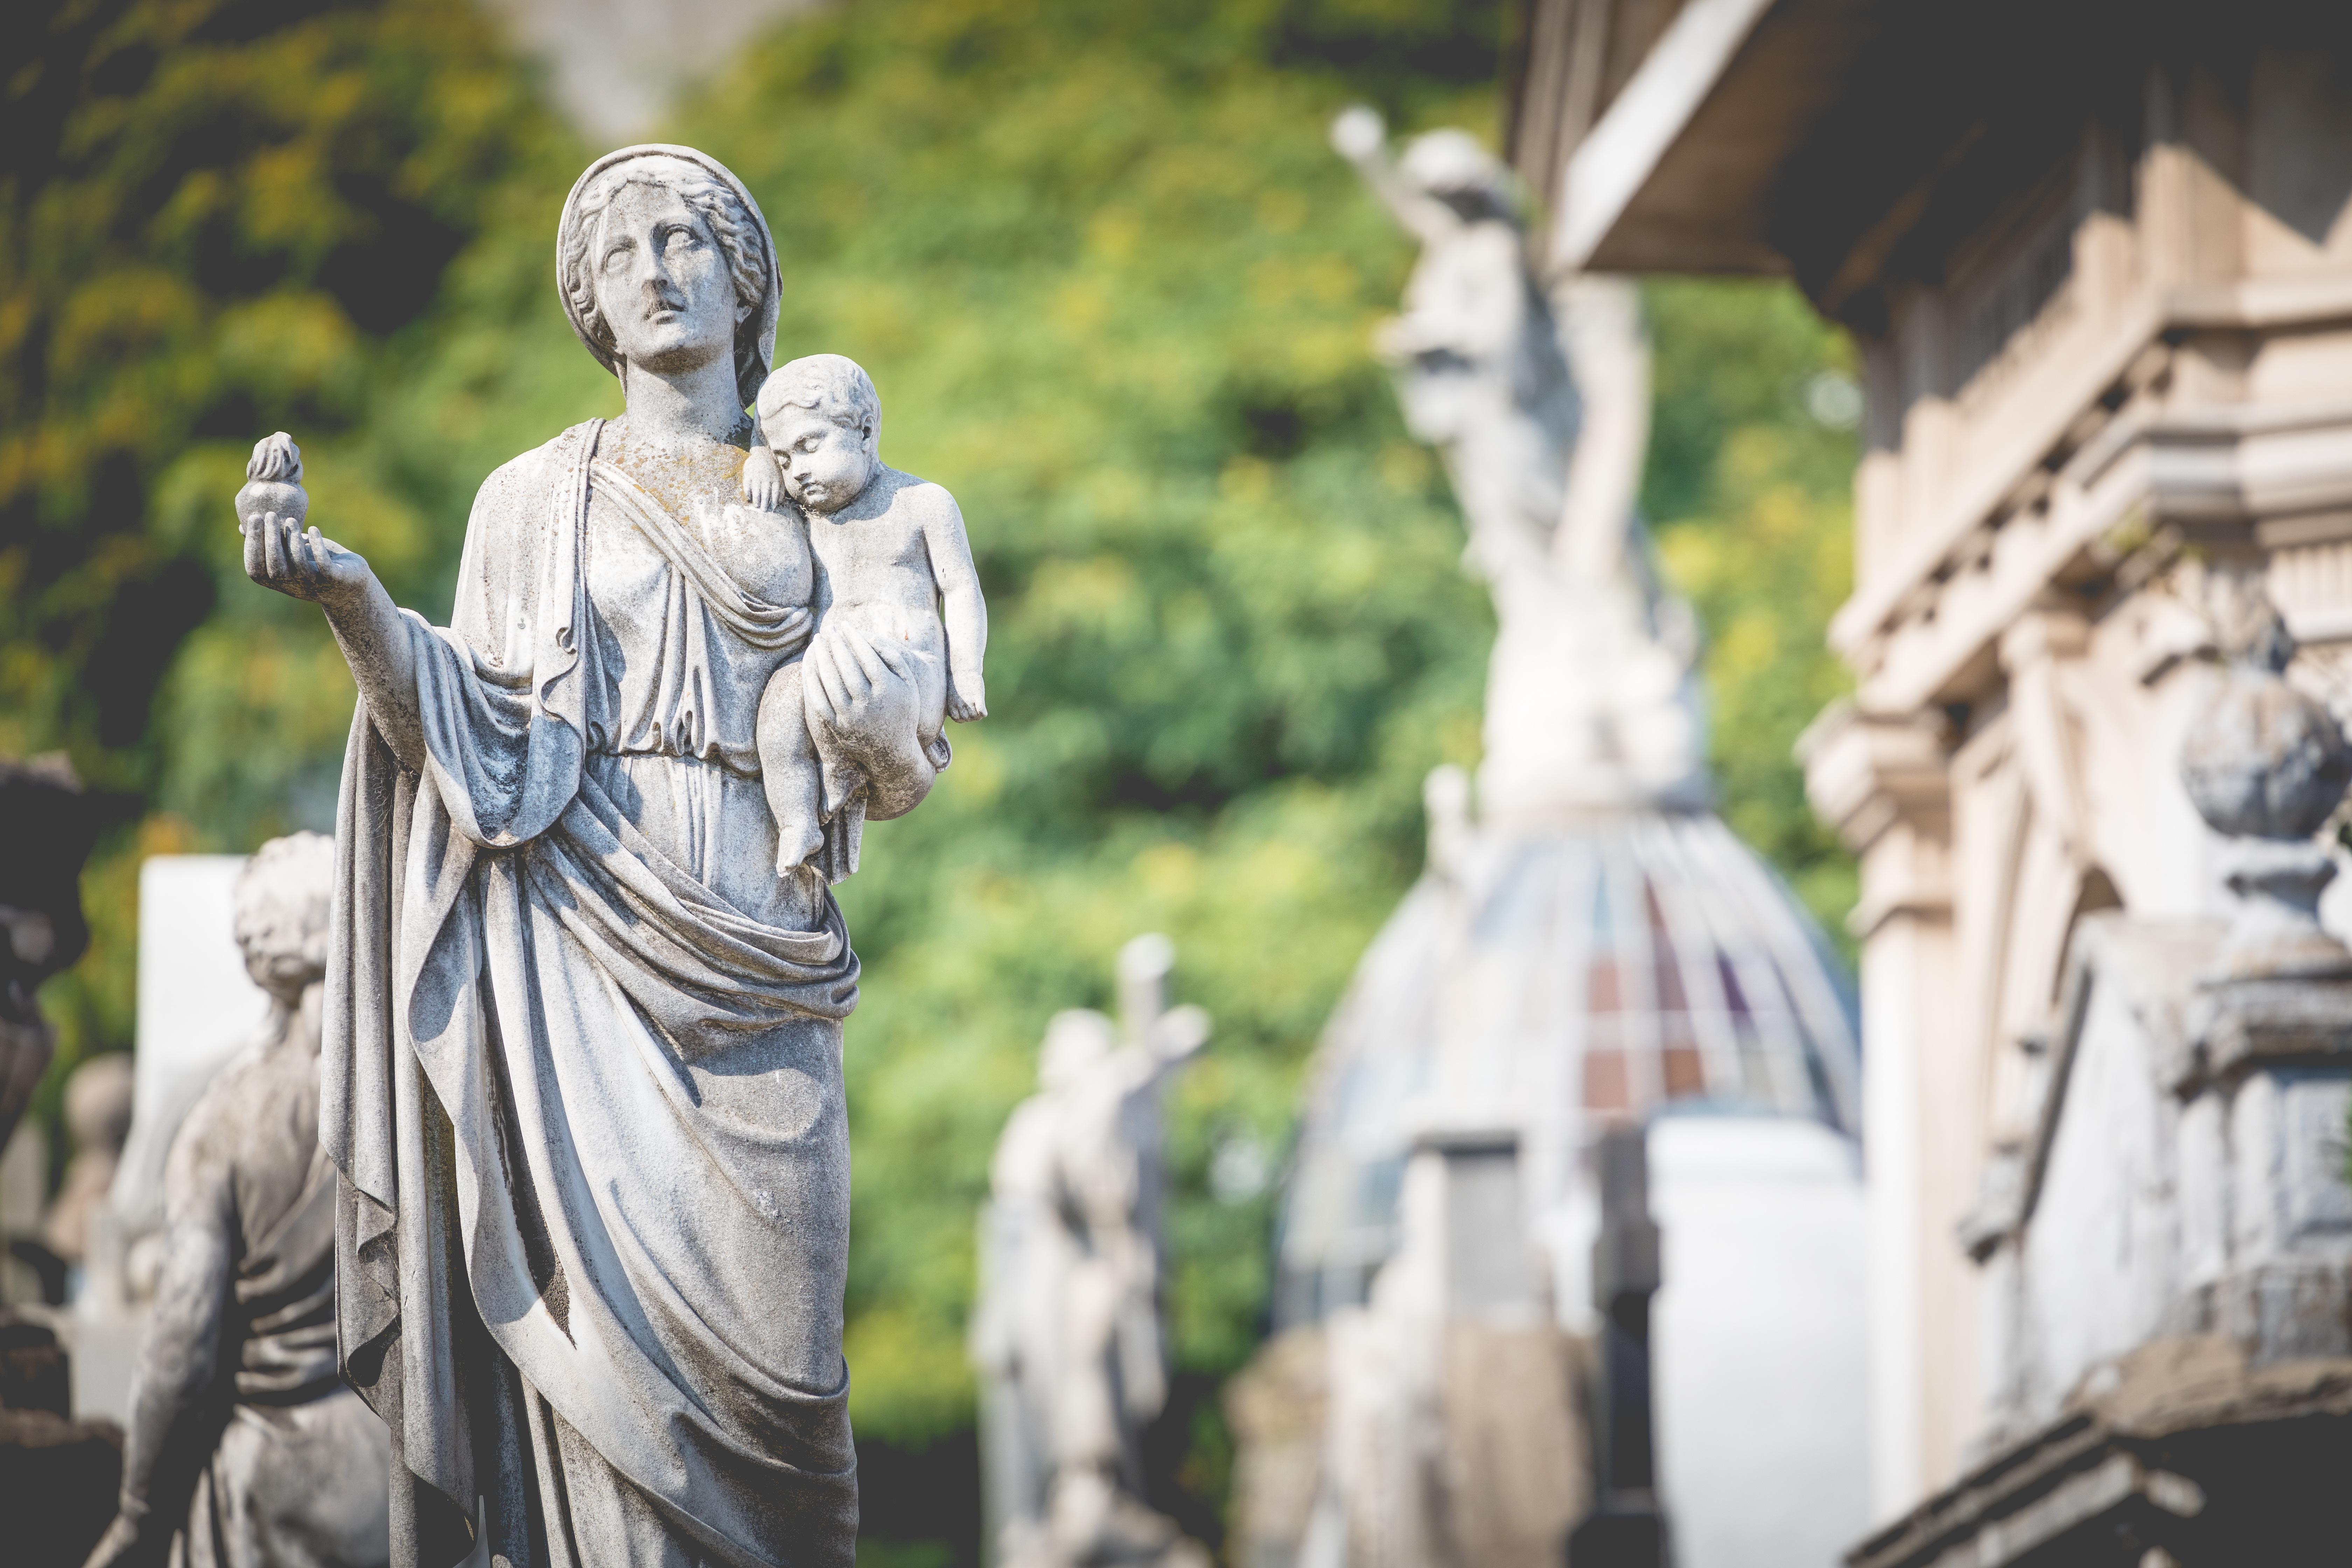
x=2096 y=261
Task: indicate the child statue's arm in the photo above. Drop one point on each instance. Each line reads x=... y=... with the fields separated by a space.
x=763 y=480
x=965 y=614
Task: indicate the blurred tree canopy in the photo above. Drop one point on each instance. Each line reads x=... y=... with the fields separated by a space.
x=215 y=219
x=1117 y=295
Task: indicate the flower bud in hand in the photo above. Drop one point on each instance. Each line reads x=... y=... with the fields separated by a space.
x=273 y=485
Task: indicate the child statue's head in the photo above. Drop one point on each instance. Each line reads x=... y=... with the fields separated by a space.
x=823 y=422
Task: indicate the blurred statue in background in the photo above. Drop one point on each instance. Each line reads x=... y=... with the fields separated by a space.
x=97 y=1117
x=244 y=1440
x=1538 y=400
x=49 y=827
x=1068 y=1334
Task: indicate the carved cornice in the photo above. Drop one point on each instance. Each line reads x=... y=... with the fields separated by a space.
x=2017 y=524
x=1864 y=774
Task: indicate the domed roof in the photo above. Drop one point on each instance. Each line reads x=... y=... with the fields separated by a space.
x=1549 y=979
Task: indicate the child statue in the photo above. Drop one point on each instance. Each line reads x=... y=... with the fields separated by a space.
x=890 y=551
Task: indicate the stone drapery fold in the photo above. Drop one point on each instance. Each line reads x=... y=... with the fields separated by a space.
x=587 y=1114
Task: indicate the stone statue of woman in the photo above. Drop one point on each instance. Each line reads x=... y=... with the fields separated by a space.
x=581 y=1070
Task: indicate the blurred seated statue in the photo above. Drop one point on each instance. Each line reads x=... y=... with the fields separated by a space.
x=244 y=1442
x=98 y=1117
x=1067 y=1332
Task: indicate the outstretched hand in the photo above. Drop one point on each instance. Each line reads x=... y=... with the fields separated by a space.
x=303 y=564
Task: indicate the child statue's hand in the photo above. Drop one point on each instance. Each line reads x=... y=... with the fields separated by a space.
x=764 y=481
x=966 y=699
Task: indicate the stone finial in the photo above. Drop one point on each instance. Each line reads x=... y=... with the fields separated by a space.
x=2267 y=765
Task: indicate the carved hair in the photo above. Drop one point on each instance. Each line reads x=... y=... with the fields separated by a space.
x=834 y=385
x=737 y=232
x=283 y=901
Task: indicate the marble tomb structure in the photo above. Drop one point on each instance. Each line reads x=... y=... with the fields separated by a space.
x=2097 y=263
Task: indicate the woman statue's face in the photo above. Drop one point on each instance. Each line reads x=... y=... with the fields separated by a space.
x=662 y=283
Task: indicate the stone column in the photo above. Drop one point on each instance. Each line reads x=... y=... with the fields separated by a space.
x=1883 y=784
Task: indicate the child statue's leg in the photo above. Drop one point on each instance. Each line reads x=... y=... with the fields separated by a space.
x=789 y=771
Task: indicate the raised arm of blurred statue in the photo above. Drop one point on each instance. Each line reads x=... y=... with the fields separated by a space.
x=1477 y=351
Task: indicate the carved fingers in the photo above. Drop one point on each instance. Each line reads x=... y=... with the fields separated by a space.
x=302 y=564
x=861 y=696
x=764 y=481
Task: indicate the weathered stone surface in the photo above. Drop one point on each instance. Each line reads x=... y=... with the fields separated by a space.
x=2180 y=1453
x=2183 y=1176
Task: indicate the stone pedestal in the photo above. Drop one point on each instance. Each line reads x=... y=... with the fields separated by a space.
x=2181 y=1454
x=58 y=1477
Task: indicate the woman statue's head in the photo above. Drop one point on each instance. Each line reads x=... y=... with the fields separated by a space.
x=664 y=263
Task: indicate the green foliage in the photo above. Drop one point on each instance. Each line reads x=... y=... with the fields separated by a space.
x=212 y=216
x=1752 y=496
x=215 y=219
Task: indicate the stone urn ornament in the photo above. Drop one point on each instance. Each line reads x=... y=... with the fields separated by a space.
x=2266 y=764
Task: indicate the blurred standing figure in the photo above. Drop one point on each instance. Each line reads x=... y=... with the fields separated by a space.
x=97 y=1115
x=244 y=1441
x=1535 y=392
x=1067 y=1334
x=48 y=826
x=1482 y=375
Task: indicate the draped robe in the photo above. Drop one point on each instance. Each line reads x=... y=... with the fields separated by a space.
x=580 y=1073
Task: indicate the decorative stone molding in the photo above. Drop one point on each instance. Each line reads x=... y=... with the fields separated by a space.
x=1864 y=772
